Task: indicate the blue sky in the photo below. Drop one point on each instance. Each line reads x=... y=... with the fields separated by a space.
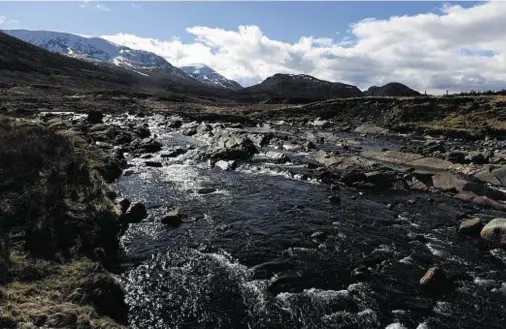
x=284 y=21
x=430 y=46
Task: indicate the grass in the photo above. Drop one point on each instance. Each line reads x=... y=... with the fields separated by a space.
x=54 y=216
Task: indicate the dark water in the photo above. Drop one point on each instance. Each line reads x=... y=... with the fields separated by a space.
x=245 y=258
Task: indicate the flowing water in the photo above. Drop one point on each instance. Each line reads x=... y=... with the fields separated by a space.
x=247 y=256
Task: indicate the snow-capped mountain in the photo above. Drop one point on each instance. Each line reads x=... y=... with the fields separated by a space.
x=98 y=49
x=207 y=75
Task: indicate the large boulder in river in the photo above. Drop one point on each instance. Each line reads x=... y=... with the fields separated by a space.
x=495 y=231
x=471 y=227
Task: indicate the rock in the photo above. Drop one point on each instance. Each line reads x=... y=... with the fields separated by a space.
x=476 y=158
x=206 y=190
x=436 y=281
x=308 y=146
x=319 y=236
x=95 y=117
x=370 y=129
x=174 y=153
x=480 y=200
x=135 y=214
x=277 y=157
x=176 y=124
x=471 y=227
x=124 y=205
x=143 y=132
x=334 y=199
x=408 y=159
x=225 y=165
x=146 y=156
x=172 y=218
x=457 y=157
x=447 y=181
x=327 y=159
x=495 y=231
x=379 y=179
x=435 y=148
x=353 y=176
x=150 y=146
x=153 y=164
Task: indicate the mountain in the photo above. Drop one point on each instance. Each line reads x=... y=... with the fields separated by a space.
x=101 y=50
x=298 y=88
x=207 y=75
x=391 y=89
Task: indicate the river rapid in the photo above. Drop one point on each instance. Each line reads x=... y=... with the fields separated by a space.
x=263 y=246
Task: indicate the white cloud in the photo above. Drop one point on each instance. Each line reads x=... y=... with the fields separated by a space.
x=454 y=48
x=86 y=4
x=7 y=21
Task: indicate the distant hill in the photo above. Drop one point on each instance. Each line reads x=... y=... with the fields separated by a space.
x=391 y=89
x=207 y=75
x=300 y=88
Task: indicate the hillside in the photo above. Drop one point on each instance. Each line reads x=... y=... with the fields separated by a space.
x=393 y=89
x=290 y=88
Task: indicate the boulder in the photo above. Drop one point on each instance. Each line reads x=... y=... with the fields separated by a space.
x=150 y=146
x=436 y=281
x=135 y=214
x=124 y=205
x=457 y=157
x=353 y=176
x=380 y=179
x=495 y=231
x=477 y=158
x=327 y=159
x=447 y=181
x=95 y=117
x=172 y=218
x=143 y=132
x=471 y=227
x=155 y=164
x=225 y=165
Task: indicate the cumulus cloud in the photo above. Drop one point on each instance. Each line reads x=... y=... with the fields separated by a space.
x=457 y=49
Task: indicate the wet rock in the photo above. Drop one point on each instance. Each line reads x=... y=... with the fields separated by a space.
x=60 y=320
x=480 y=200
x=436 y=281
x=471 y=227
x=309 y=146
x=172 y=218
x=476 y=158
x=319 y=236
x=278 y=157
x=495 y=231
x=135 y=214
x=176 y=124
x=327 y=159
x=150 y=146
x=380 y=179
x=95 y=117
x=143 y=132
x=174 y=153
x=124 y=204
x=225 y=165
x=434 y=147
x=353 y=176
x=457 y=157
x=334 y=199
x=146 y=156
x=206 y=190
x=153 y=164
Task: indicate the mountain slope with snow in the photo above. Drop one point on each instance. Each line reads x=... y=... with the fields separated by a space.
x=207 y=75
x=98 y=49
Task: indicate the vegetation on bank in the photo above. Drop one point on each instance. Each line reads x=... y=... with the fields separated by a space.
x=58 y=232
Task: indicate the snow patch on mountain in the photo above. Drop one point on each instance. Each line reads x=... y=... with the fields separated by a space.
x=97 y=49
x=207 y=75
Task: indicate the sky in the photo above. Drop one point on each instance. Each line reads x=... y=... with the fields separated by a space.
x=430 y=46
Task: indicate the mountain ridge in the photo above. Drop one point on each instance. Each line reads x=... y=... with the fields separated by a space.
x=207 y=75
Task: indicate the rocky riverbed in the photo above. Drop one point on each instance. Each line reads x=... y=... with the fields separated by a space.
x=277 y=225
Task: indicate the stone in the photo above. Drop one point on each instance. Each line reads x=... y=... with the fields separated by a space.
x=353 y=176
x=370 y=129
x=471 y=227
x=153 y=164
x=174 y=153
x=319 y=236
x=309 y=146
x=151 y=146
x=124 y=204
x=225 y=165
x=172 y=218
x=447 y=181
x=495 y=231
x=436 y=281
x=95 y=117
x=476 y=158
x=176 y=124
x=277 y=157
x=206 y=190
x=379 y=178
x=135 y=214
x=143 y=132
